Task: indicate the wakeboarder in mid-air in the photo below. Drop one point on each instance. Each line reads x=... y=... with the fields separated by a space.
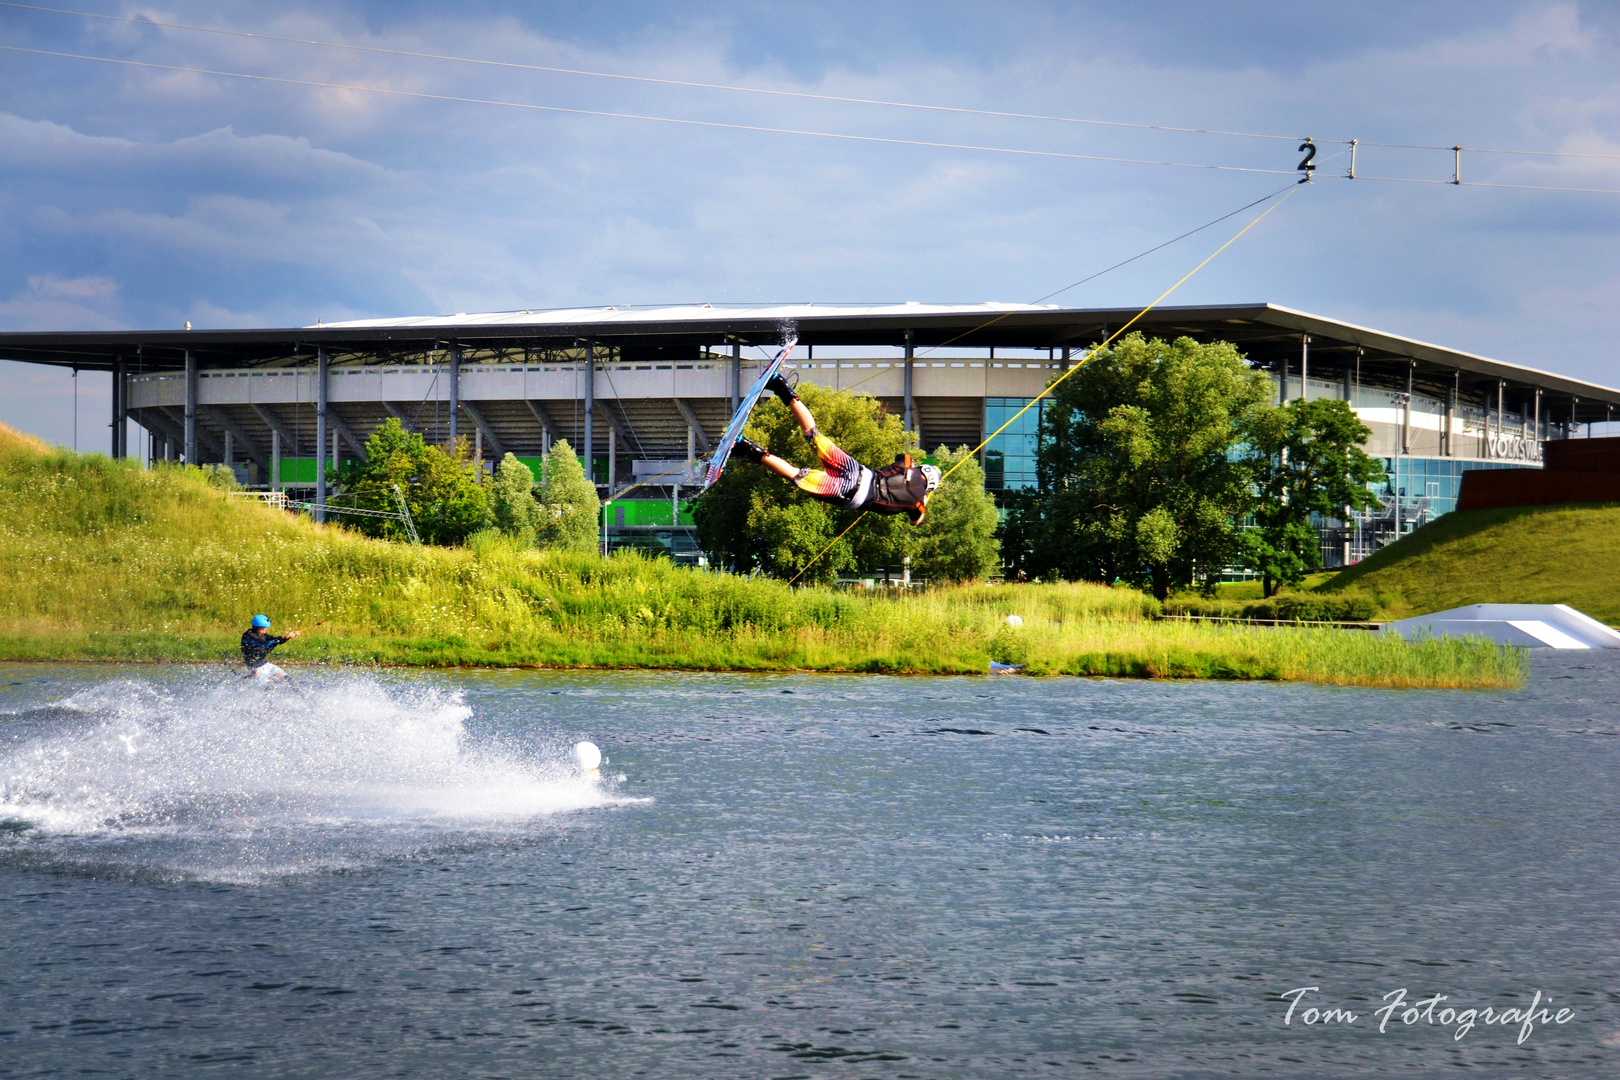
x=256 y=646
x=899 y=488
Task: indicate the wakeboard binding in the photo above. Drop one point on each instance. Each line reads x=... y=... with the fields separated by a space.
x=749 y=450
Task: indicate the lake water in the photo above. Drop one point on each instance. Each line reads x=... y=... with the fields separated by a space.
x=811 y=877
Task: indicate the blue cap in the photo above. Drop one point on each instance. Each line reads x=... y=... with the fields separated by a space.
x=261 y=622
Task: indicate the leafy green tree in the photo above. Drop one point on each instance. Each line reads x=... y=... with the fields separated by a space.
x=570 y=511
x=1306 y=458
x=1022 y=534
x=957 y=538
x=511 y=499
x=445 y=491
x=753 y=519
x=1137 y=462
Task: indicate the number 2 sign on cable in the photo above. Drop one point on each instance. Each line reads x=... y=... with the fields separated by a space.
x=1308 y=148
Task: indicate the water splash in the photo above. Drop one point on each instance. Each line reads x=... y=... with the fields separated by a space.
x=221 y=780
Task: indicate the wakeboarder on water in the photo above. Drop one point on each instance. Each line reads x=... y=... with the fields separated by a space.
x=256 y=646
x=899 y=488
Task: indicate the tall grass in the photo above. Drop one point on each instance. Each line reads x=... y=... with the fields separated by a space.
x=99 y=559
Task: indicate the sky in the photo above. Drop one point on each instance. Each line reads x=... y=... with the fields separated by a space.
x=146 y=197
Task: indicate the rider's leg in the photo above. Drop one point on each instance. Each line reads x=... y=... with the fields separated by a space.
x=830 y=453
x=813 y=481
x=783 y=389
x=752 y=451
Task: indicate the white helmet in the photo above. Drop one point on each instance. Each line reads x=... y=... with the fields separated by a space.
x=931 y=473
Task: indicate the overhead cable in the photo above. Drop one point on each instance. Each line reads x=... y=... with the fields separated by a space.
x=765 y=129
x=804 y=95
x=690 y=84
x=1089 y=277
x=1053 y=385
x=460 y=100
x=1482 y=150
x=1476 y=183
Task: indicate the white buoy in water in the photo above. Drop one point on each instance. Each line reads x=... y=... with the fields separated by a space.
x=587 y=756
x=1015 y=620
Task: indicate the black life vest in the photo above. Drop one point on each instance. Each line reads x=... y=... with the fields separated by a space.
x=900 y=488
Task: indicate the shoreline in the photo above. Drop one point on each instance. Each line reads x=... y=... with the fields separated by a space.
x=1452 y=665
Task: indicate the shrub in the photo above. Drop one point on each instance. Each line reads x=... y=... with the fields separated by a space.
x=1351 y=605
x=511 y=498
x=569 y=507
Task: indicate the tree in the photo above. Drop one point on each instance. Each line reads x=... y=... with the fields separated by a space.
x=957 y=538
x=1137 y=464
x=752 y=518
x=444 y=490
x=1022 y=534
x=1306 y=458
x=511 y=499
x=569 y=511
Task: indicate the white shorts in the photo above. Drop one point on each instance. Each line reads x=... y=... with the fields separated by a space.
x=267 y=673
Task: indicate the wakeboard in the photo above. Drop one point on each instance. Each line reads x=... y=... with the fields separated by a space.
x=733 y=432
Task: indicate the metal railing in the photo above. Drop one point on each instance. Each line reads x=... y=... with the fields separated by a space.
x=281 y=501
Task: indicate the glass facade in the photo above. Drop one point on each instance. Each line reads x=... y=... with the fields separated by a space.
x=1431 y=484
x=1423 y=489
x=1009 y=459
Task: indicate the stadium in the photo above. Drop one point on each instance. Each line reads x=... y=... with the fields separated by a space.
x=649 y=389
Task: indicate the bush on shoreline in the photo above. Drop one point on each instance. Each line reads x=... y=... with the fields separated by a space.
x=1350 y=605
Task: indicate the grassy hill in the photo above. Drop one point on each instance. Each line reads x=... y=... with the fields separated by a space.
x=1526 y=555
x=103 y=560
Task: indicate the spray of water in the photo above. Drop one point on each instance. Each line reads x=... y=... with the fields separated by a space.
x=221 y=780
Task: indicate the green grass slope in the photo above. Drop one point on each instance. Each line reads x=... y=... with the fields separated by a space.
x=102 y=560
x=1521 y=555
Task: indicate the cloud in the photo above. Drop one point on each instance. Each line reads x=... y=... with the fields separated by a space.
x=51 y=302
x=83 y=288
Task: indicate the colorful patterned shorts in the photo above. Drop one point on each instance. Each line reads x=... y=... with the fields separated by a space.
x=842 y=478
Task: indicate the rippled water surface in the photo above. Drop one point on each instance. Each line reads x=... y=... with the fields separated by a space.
x=801 y=877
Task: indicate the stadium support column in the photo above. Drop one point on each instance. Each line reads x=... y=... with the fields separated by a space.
x=1406 y=413
x=455 y=389
x=191 y=407
x=1535 y=432
x=1064 y=366
x=736 y=376
x=590 y=411
x=911 y=352
x=275 y=460
x=1451 y=414
x=120 y=411
x=321 y=369
x=1304 y=367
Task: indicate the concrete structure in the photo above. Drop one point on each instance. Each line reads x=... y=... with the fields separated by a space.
x=645 y=388
x=1536 y=626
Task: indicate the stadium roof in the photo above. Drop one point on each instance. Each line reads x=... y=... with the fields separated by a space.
x=1270 y=335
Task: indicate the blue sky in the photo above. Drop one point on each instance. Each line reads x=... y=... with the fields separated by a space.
x=134 y=197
